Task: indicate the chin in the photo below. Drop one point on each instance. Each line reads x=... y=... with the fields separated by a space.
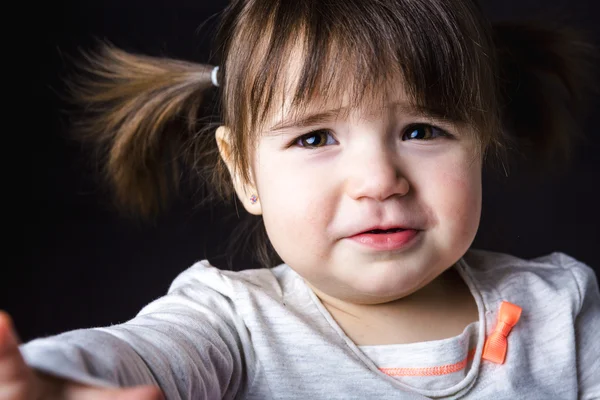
x=387 y=281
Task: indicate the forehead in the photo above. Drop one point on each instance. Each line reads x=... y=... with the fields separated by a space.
x=338 y=92
x=288 y=59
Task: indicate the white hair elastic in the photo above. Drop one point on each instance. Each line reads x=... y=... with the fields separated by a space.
x=213 y=76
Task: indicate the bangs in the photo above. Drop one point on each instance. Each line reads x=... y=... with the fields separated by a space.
x=313 y=52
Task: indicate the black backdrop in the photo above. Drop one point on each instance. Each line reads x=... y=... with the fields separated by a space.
x=80 y=264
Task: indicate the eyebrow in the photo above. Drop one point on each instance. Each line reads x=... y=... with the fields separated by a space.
x=307 y=120
x=328 y=116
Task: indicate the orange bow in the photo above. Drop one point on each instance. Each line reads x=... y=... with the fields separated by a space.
x=497 y=343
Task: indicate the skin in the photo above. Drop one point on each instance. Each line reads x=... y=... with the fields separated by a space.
x=366 y=171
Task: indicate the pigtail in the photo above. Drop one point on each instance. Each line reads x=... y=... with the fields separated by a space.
x=545 y=74
x=141 y=112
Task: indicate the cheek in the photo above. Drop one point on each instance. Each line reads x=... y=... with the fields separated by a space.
x=459 y=192
x=296 y=210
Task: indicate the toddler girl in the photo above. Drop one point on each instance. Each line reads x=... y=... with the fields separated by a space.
x=358 y=131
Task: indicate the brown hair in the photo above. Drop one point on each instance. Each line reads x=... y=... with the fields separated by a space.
x=510 y=82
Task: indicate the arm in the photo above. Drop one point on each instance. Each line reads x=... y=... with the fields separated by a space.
x=191 y=343
x=20 y=382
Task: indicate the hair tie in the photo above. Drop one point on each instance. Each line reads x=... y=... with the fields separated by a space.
x=213 y=76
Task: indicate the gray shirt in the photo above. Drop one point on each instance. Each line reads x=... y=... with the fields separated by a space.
x=263 y=334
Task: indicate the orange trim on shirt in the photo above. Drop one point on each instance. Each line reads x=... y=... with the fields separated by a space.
x=430 y=371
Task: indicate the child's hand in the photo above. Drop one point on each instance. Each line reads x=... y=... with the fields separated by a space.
x=20 y=382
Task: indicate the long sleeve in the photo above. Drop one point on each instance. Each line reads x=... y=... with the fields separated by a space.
x=587 y=329
x=191 y=342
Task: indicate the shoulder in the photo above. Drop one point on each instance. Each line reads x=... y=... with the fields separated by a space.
x=203 y=274
x=202 y=287
x=555 y=275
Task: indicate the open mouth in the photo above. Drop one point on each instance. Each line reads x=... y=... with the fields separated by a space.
x=393 y=230
x=391 y=239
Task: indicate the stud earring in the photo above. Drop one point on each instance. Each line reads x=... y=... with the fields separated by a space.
x=253 y=199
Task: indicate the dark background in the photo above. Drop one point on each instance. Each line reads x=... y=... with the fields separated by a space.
x=78 y=263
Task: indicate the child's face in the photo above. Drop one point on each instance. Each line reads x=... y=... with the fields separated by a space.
x=360 y=175
x=359 y=171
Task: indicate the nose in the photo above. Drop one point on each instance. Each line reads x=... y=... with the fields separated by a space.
x=376 y=174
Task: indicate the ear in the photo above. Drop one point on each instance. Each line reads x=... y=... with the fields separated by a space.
x=243 y=190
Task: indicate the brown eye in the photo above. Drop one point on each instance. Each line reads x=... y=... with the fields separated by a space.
x=315 y=139
x=423 y=132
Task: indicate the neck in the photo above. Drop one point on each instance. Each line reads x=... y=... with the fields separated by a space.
x=441 y=309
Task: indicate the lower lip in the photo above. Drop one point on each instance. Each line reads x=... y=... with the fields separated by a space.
x=386 y=241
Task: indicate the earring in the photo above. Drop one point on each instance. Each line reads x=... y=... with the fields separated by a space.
x=253 y=199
